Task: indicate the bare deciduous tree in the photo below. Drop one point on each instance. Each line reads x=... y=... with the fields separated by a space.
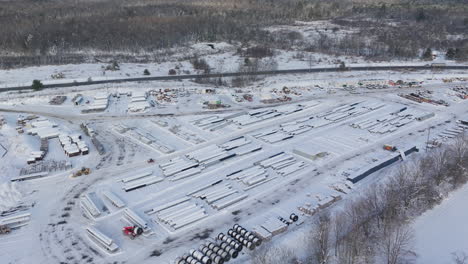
x=274 y=255
x=320 y=239
x=396 y=244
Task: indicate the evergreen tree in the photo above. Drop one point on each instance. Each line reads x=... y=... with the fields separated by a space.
x=37 y=85
x=427 y=55
x=451 y=54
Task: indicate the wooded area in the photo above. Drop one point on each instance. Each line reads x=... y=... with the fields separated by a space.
x=56 y=32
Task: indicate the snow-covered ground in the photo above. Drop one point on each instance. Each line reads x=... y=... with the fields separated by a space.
x=442 y=231
x=345 y=117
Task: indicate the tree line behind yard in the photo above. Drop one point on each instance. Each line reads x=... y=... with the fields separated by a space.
x=67 y=29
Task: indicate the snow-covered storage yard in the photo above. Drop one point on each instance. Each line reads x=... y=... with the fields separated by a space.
x=162 y=171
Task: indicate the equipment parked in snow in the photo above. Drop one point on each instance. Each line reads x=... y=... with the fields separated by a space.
x=132 y=231
x=390 y=147
x=83 y=171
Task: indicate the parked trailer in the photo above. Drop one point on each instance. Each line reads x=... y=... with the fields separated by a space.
x=114 y=199
x=135 y=219
x=101 y=239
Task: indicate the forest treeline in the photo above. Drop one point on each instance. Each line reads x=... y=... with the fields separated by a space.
x=69 y=28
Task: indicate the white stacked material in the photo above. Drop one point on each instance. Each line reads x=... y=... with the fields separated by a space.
x=262 y=233
x=75 y=137
x=265 y=132
x=185 y=174
x=247 y=149
x=275 y=159
x=135 y=219
x=337 y=117
x=43 y=123
x=181 y=215
x=114 y=199
x=16 y=220
x=137 y=176
x=250 y=172
x=219 y=126
x=101 y=240
x=44 y=132
x=217 y=159
x=276 y=137
x=252 y=180
x=235 y=143
x=100 y=102
x=161 y=146
x=88 y=206
x=138 y=102
x=263 y=181
x=327 y=201
x=291 y=168
x=179 y=166
x=71 y=150
x=143 y=182
x=228 y=201
x=292 y=128
x=283 y=164
x=168 y=205
x=244 y=120
x=274 y=226
x=64 y=139
x=206 y=153
x=215 y=193
x=269 y=115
